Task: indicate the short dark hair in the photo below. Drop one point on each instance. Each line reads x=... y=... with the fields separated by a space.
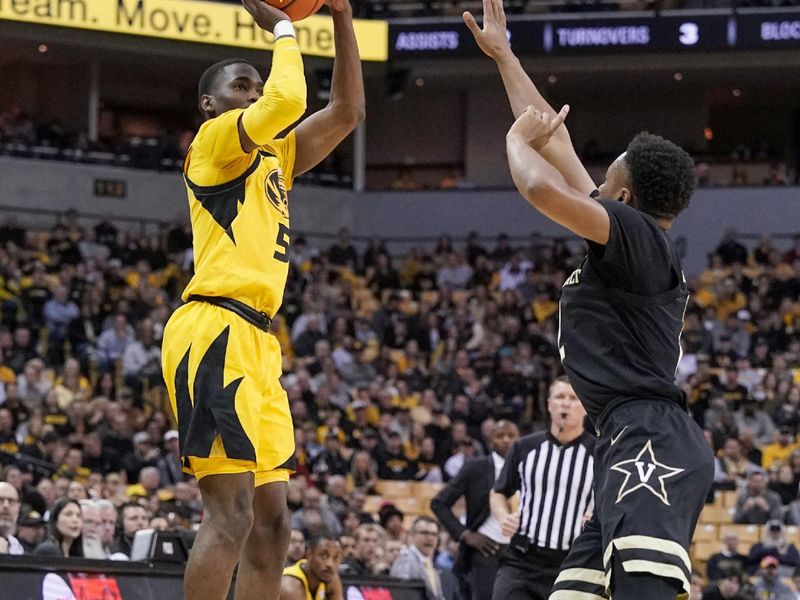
x=125 y=506
x=321 y=537
x=209 y=77
x=662 y=176
x=425 y=519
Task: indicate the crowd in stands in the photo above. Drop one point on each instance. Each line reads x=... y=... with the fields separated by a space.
x=157 y=148
x=24 y=136
x=396 y=368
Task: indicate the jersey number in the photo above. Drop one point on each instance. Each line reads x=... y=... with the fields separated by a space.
x=282 y=241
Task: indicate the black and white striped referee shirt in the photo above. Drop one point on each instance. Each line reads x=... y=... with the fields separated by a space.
x=555 y=485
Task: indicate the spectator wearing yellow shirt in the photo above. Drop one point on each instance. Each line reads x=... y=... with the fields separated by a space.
x=148 y=485
x=405 y=399
x=412 y=447
x=778 y=452
x=410 y=267
x=72 y=466
x=7 y=375
x=729 y=299
x=363 y=473
x=71 y=385
x=331 y=425
x=8 y=439
x=361 y=415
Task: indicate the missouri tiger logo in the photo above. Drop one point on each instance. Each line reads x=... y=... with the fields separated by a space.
x=276 y=192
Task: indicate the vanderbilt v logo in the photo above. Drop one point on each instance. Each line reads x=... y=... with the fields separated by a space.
x=644 y=477
x=645 y=472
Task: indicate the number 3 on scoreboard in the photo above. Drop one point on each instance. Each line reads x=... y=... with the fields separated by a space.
x=282 y=241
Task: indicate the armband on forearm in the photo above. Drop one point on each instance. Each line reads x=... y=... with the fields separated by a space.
x=283 y=29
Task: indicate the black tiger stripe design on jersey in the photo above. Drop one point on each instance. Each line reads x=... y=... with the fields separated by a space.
x=222 y=201
x=214 y=409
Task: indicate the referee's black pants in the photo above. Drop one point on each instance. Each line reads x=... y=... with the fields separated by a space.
x=527 y=575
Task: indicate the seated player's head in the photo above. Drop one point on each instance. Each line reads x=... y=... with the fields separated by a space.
x=228 y=84
x=653 y=175
x=324 y=557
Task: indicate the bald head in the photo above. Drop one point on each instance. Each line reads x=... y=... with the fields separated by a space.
x=9 y=508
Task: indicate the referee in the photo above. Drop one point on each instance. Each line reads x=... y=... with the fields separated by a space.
x=553 y=470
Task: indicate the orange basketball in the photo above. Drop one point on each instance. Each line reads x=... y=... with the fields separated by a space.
x=297 y=10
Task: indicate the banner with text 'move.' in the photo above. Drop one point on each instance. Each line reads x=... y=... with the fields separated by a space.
x=190 y=21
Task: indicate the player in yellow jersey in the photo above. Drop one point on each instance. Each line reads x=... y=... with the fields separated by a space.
x=220 y=362
x=318 y=577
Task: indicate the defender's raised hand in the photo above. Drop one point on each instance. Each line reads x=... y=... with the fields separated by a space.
x=265 y=16
x=340 y=6
x=493 y=38
x=536 y=127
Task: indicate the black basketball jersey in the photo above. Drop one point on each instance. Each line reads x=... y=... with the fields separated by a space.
x=621 y=315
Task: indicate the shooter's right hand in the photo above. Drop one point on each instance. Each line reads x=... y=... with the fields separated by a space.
x=265 y=16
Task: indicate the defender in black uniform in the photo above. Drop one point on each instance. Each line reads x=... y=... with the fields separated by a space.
x=621 y=316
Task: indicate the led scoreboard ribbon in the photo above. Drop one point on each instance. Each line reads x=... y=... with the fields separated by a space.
x=593 y=34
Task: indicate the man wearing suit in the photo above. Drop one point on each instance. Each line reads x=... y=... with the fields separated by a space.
x=481 y=538
x=416 y=559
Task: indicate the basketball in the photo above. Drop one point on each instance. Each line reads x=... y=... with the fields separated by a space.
x=297 y=10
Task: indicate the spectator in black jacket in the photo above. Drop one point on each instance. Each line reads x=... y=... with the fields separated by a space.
x=774 y=544
x=330 y=461
x=66 y=524
x=98 y=458
x=481 y=538
x=727 y=587
x=756 y=504
x=368 y=538
x=392 y=461
x=133 y=518
x=31 y=530
x=728 y=557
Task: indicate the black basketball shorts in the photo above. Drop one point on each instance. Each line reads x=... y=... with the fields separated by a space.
x=653 y=472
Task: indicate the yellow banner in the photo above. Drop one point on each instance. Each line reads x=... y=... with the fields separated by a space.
x=190 y=21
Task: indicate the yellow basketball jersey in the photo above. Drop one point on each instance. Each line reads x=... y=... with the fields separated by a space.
x=240 y=214
x=298 y=573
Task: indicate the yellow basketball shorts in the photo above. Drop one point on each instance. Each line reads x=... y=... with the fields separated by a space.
x=222 y=375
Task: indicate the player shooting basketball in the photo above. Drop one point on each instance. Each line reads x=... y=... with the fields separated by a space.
x=221 y=363
x=621 y=317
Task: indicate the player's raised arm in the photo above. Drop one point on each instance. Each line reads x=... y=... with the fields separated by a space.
x=283 y=100
x=521 y=91
x=320 y=133
x=543 y=186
